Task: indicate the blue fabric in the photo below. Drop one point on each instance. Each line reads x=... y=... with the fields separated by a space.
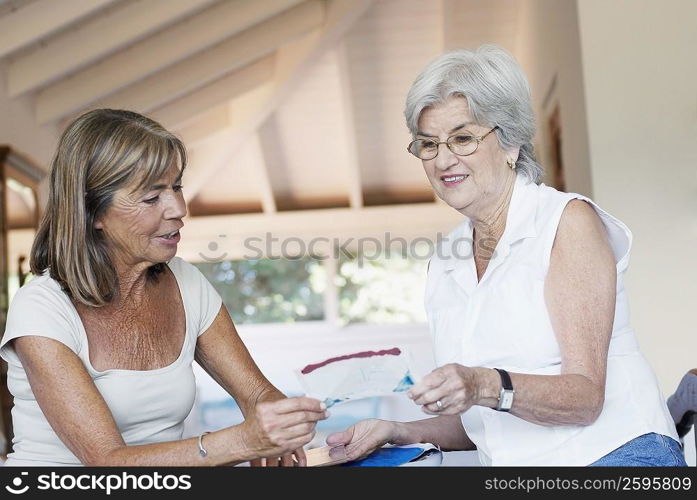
x=645 y=451
x=386 y=457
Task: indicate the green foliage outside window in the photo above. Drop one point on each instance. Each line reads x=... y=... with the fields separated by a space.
x=269 y=290
x=386 y=289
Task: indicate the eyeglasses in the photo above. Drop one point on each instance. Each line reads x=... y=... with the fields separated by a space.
x=461 y=144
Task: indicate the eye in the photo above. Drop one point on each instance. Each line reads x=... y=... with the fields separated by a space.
x=461 y=139
x=152 y=201
x=428 y=144
x=177 y=188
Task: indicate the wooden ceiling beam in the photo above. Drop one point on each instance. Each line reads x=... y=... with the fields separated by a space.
x=162 y=50
x=105 y=34
x=205 y=67
x=40 y=19
x=354 y=173
x=292 y=61
x=187 y=109
x=246 y=235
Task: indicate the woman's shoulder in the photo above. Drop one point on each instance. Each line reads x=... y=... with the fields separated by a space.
x=183 y=270
x=189 y=277
x=41 y=307
x=42 y=289
x=580 y=221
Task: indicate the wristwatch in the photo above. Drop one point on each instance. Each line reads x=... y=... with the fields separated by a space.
x=506 y=395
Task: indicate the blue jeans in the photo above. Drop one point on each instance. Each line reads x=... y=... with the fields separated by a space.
x=645 y=451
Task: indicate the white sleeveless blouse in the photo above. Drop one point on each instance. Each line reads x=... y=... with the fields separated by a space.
x=503 y=322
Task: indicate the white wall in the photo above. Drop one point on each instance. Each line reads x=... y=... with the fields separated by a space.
x=640 y=82
x=549 y=51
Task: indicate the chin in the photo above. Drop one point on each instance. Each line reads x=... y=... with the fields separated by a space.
x=163 y=257
x=456 y=202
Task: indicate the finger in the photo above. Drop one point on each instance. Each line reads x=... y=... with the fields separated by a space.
x=430 y=398
x=438 y=406
x=272 y=461
x=338 y=452
x=360 y=450
x=293 y=419
x=299 y=432
x=431 y=381
x=257 y=462
x=287 y=461
x=343 y=437
x=290 y=405
x=300 y=457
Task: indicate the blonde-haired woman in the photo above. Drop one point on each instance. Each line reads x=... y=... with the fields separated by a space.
x=100 y=344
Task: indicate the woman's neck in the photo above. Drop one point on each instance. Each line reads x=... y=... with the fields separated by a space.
x=491 y=223
x=133 y=283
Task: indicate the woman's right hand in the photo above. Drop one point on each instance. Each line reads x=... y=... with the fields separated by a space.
x=364 y=437
x=280 y=427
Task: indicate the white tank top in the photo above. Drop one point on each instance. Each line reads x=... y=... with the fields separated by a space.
x=503 y=322
x=149 y=406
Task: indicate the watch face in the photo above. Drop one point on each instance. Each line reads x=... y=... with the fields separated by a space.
x=505 y=399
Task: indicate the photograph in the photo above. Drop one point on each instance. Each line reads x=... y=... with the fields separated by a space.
x=457 y=235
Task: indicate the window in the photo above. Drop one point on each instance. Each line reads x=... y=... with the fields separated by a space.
x=269 y=290
x=386 y=289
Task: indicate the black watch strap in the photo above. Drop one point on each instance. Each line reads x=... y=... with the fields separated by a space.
x=505 y=379
x=506 y=395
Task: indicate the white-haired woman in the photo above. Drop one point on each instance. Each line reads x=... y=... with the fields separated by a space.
x=537 y=362
x=100 y=344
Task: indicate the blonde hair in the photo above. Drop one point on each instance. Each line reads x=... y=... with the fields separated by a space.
x=99 y=153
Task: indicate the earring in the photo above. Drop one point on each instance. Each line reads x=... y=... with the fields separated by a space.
x=511 y=164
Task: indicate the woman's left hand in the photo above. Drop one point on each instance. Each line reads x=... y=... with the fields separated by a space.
x=448 y=390
x=295 y=459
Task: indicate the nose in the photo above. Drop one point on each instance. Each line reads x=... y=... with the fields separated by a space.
x=175 y=207
x=445 y=158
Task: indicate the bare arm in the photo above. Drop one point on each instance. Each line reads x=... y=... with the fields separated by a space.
x=580 y=297
x=445 y=432
x=277 y=428
x=366 y=436
x=221 y=352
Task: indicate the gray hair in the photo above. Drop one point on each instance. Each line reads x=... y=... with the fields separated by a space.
x=497 y=93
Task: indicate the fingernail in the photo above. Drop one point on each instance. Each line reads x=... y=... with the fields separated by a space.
x=337 y=452
x=327 y=414
x=322 y=406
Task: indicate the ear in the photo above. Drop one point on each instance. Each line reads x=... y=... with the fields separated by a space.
x=513 y=154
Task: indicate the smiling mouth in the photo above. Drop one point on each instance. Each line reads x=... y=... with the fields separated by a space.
x=169 y=236
x=453 y=179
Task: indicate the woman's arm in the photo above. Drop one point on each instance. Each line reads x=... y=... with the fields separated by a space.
x=580 y=295
x=81 y=418
x=366 y=436
x=222 y=354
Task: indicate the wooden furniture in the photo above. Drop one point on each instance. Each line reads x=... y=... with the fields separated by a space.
x=19 y=209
